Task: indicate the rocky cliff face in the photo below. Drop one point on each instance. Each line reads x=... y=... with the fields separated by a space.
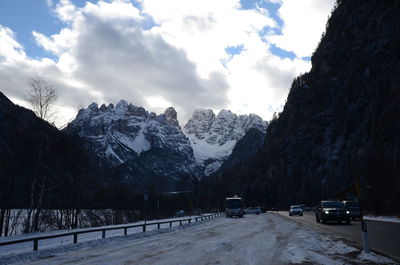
x=126 y=136
x=340 y=122
x=214 y=137
x=149 y=149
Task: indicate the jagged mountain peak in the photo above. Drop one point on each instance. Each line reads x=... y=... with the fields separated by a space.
x=226 y=114
x=171 y=116
x=127 y=134
x=170 y=113
x=214 y=136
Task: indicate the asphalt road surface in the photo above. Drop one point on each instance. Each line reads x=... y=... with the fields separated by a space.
x=384 y=237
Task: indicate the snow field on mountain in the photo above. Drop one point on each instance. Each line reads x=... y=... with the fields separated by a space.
x=254 y=239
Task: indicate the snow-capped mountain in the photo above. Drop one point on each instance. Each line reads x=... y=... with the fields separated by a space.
x=125 y=133
x=141 y=147
x=214 y=137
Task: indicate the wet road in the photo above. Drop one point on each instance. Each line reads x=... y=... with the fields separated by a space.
x=384 y=237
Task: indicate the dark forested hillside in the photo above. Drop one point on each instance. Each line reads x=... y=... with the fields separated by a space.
x=341 y=120
x=40 y=167
x=244 y=149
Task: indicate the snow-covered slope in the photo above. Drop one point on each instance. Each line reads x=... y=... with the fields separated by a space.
x=126 y=133
x=214 y=137
x=137 y=143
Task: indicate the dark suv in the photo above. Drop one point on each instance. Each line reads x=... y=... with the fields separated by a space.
x=354 y=208
x=332 y=211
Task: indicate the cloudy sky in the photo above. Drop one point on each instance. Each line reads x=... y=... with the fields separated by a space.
x=240 y=55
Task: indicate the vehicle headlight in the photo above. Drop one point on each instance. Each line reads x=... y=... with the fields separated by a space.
x=347 y=212
x=326 y=212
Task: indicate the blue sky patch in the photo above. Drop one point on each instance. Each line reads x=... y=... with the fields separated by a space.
x=23 y=17
x=281 y=52
x=233 y=50
x=271 y=7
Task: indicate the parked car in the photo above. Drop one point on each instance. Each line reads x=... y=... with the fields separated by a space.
x=354 y=208
x=332 y=211
x=295 y=210
x=253 y=210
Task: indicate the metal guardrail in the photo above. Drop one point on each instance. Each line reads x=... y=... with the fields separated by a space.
x=75 y=234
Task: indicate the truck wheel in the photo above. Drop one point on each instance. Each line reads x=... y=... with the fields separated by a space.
x=347 y=221
x=317 y=219
x=324 y=221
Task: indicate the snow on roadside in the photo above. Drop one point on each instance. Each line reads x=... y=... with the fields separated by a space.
x=255 y=239
x=371 y=257
x=392 y=219
x=69 y=249
x=67 y=240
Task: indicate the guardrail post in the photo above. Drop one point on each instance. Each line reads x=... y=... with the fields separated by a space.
x=35 y=244
x=75 y=238
x=125 y=231
x=144 y=228
x=103 y=233
x=170 y=224
x=158 y=226
x=190 y=221
x=180 y=223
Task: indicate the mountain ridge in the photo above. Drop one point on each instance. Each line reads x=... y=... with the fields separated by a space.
x=124 y=134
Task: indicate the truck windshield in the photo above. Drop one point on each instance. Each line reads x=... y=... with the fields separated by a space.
x=233 y=204
x=332 y=204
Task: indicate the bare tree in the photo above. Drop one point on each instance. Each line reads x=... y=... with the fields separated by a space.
x=42 y=97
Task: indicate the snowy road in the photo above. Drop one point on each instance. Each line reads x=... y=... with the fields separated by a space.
x=254 y=239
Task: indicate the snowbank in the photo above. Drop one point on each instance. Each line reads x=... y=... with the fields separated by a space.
x=392 y=219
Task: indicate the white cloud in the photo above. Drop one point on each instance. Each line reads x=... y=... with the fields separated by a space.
x=304 y=22
x=66 y=11
x=10 y=49
x=257 y=79
x=105 y=53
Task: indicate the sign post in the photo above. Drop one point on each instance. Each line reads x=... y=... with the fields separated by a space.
x=158 y=209
x=363 y=224
x=145 y=199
